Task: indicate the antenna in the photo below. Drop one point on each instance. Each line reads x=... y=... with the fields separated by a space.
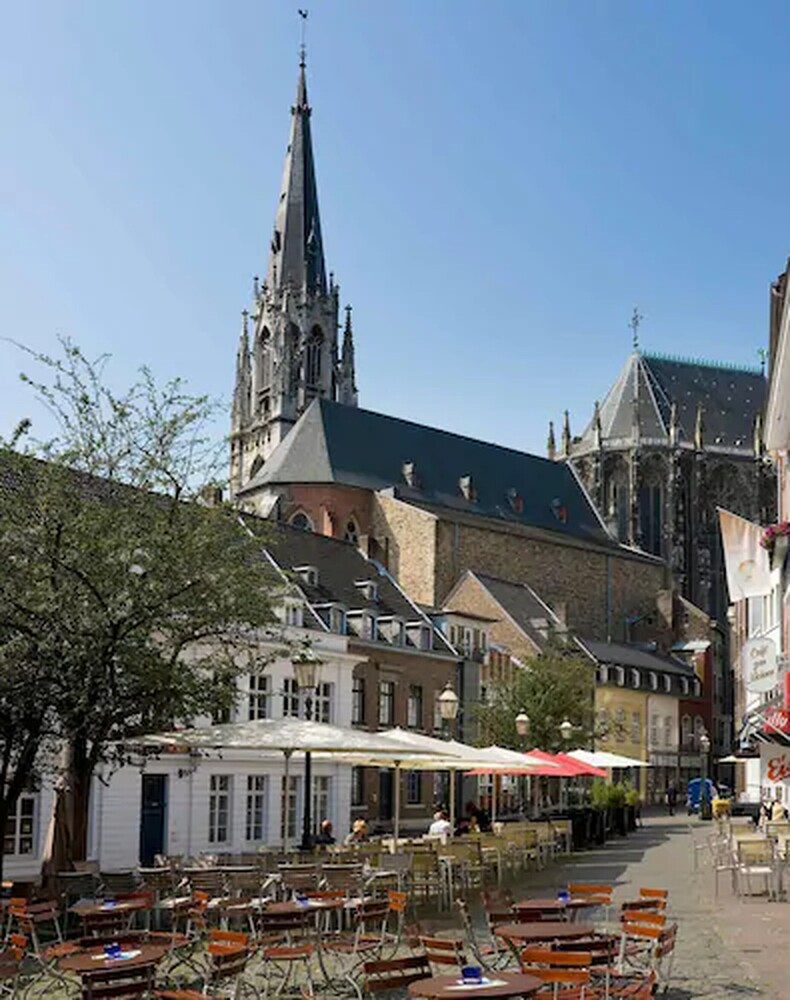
x=762 y=354
x=302 y=47
x=636 y=319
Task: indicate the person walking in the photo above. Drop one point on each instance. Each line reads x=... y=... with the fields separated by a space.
x=672 y=797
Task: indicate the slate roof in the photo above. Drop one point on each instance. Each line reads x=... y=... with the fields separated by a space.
x=626 y=655
x=339 y=565
x=332 y=443
x=730 y=397
x=522 y=604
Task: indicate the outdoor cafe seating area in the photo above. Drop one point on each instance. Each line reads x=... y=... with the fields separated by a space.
x=754 y=860
x=420 y=916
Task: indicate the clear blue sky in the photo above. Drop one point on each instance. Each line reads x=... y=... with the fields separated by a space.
x=500 y=183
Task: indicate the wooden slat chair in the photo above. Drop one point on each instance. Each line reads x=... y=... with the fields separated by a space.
x=12 y=958
x=28 y=917
x=285 y=947
x=563 y=834
x=659 y=896
x=443 y=953
x=640 y=931
x=365 y=941
x=299 y=878
x=208 y=880
x=491 y=953
x=105 y=923
x=426 y=876
x=345 y=878
x=594 y=895
x=120 y=983
x=393 y=975
x=566 y=975
x=116 y=884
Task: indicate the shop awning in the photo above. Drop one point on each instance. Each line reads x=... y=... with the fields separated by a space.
x=604 y=759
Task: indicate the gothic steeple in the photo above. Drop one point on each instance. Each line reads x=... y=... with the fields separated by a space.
x=294 y=355
x=296 y=252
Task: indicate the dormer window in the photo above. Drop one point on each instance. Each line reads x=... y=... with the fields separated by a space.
x=337 y=620
x=363 y=624
x=516 y=501
x=603 y=673
x=654 y=680
x=634 y=678
x=620 y=675
x=369 y=588
x=685 y=684
x=294 y=615
x=410 y=474
x=307 y=574
x=697 y=689
x=392 y=629
x=667 y=683
x=467 y=487
x=420 y=635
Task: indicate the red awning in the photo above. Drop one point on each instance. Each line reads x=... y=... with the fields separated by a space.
x=558 y=765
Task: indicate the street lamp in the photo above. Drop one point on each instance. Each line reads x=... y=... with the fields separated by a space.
x=566 y=730
x=522 y=724
x=306 y=669
x=448 y=704
x=704 y=801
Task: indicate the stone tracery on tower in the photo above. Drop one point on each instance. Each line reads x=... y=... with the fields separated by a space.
x=288 y=350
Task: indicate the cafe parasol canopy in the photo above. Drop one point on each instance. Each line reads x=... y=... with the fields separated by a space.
x=604 y=759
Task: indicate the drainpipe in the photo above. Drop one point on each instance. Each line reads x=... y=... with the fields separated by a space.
x=608 y=598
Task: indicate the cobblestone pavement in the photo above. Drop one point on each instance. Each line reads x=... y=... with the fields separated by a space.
x=714 y=957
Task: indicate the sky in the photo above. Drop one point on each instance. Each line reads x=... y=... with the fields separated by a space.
x=500 y=184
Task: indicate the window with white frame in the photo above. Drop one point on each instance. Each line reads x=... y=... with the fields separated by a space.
x=219 y=808
x=386 y=703
x=699 y=728
x=322 y=706
x=255 y=826
x=413 y=788
x=620 y=725
x=686 y=731
x=636 y=727
x=290 y=698
x=653 y=729
x=337 y=620
x=667 y=683
x=603 y=723
x=414 y=707
x=322 y=799
x=289 y=806
x=668 y=730
x=697 y=688
x=654 y=680
x=294 y=615
x=603 y=673
x=357 y=786
x=258 y=699
x=620 y=675
x=368 y=627
x=634 y=678
x=684 y=684
x=358 y=701
x=20 y=826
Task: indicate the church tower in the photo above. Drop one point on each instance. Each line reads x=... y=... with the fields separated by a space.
x=288 y=351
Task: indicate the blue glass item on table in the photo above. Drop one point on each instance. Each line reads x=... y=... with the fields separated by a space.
x=301 y=899
x=472 y=974
x=112 y=950
x=564 y=896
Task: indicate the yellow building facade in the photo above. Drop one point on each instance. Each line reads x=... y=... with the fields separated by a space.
x=621 y=716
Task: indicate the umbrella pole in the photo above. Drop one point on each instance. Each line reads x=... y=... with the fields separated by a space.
x=397 y=804
x=452 y=799
x=286 y=799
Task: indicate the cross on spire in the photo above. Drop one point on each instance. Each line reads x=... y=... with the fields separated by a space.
x=302 y=46
x=634 y=323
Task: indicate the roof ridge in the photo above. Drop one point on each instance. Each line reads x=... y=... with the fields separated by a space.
x=730 y=366
x=332 y=403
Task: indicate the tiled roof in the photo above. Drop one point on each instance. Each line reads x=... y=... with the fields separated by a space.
x=522 y=604
x=332 y=443
x=626 y=655
x=730 y=398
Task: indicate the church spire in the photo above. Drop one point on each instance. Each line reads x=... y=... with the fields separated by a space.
x=296 y=252
x=551 y=443
x=347 y=390
x=566 y=434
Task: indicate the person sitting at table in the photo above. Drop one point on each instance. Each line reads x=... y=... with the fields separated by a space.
x=325 y=836
x=441 y=826
x=480 y=816
x=359 y=832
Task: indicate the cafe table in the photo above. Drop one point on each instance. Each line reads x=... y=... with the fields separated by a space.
x=96 y=907
x=95 y=959
x=493 y=985
x=543 y=930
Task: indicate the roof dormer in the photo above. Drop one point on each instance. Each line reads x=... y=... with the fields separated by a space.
x=369 y=588
x=307 y=574
x=467 y=487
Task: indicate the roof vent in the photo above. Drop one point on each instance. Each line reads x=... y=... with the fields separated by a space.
x=559 y=510
x=308 y=574
x=410 y=474
x=467 y=487
x=369 y=588
x=516 y=501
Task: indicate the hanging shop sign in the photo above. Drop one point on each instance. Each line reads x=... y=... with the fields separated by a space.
x=760 y=669
x=774 y=765
x=776 y=720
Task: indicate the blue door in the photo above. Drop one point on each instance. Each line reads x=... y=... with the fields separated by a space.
x=152 y=817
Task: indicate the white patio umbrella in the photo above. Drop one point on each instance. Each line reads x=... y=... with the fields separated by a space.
x=290 y=736
x=602 y=758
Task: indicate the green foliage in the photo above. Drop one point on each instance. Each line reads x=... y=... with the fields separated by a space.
x=121 y=596
x=556 y=685
x=631 y=796
x=599 y=794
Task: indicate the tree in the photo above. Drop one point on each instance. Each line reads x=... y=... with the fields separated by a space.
x=556 y=685
x=145 y=594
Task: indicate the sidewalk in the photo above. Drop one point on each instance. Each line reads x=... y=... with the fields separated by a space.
x=725 y=949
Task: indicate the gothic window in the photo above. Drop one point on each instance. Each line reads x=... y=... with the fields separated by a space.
x=651 y=508
x=313 y=357
x=352 y=532
x=301 y=521
x=256 y=466
x=265 y=358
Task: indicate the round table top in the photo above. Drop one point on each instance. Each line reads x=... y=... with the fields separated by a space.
x=550 y=903
x=500 y=984
x=544 y=930
x=93 y=907
x=312 y=904
x=85 y=961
